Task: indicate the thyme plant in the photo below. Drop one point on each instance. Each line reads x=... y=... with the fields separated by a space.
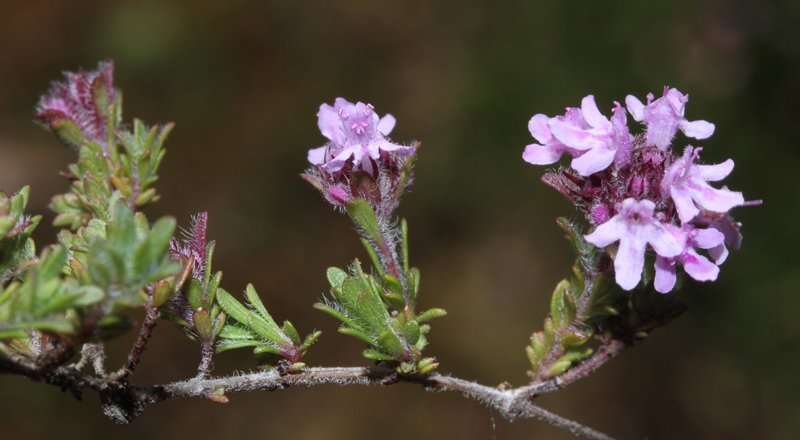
x=648 y=211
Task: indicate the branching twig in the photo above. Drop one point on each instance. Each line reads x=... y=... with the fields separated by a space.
x=605 y=353
x=124 y=402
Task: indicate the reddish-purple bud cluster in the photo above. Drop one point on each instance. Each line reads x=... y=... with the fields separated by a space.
x=78 y=110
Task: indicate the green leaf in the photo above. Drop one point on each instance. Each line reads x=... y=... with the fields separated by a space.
x=562 y=307
x=68 y=133
x=361 y=303
x=336 y=314
x=389 y=342
x=376 y=262
x=411 y=331
x=310 y=339
x=159 y=238
x=336 y=277
x=255 y=302
x=6 y=223
x=251 y=320
x=210 y=248
x=52 y=263
x=212 y=287
x=267 y=348
x=413 y=282
x=575 y=339
x=236 y=332
x=563 y=363
x=358 y=334
x=194 y=294
x=145 y=197
x=364 y=217
x=162 y=292
x=375 y=355
x=203 y=325
x=291 y=332
x=431 y=314
x=233 y=307
x=232 y=344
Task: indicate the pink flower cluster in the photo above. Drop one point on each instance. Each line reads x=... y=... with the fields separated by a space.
x=359 y=161
x=356 y=136
x=636 y=191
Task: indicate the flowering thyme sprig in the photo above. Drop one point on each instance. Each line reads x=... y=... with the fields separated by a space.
x=634 y=188
x=363 y=173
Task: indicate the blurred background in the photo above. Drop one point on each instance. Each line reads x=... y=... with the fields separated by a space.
x=243 y=81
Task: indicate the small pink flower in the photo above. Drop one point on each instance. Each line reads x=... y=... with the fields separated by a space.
x=686 y=183
x=354 y=132
x=590 y=138
x=550 y=149
x=634 y=226
x=664 y=116
x=729 y=227
x=697 y=266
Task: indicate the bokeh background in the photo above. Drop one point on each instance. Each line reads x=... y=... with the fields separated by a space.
x=243 y=81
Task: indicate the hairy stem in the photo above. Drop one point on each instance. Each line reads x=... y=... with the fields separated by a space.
x=605 y=353
x=135 y=355
x=582 y=304
x=124 y=402
x=389 y=259
x=206 y=359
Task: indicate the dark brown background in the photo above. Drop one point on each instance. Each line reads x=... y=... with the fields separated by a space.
x=243 y=81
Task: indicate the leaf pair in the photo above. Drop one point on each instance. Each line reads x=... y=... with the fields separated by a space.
x=253 y=326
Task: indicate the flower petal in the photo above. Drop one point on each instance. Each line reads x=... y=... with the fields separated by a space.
x=539 y=128
x=635 y=107
x=385 y=145
x=386 y=124
x=683 y=203
x=542 y=154
x=629 y=262
x=329 y=124
x=712 y=199
x=708 y=238
x=592 y=114
x=719 y=253
x=665 y=278
x=574 y=137
x=698 y=266
x=663 y=242
x=713 y=173
x=697 y=129
x=607 y=233
x=336 y=163
x=317 y=155
x=594 y=160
